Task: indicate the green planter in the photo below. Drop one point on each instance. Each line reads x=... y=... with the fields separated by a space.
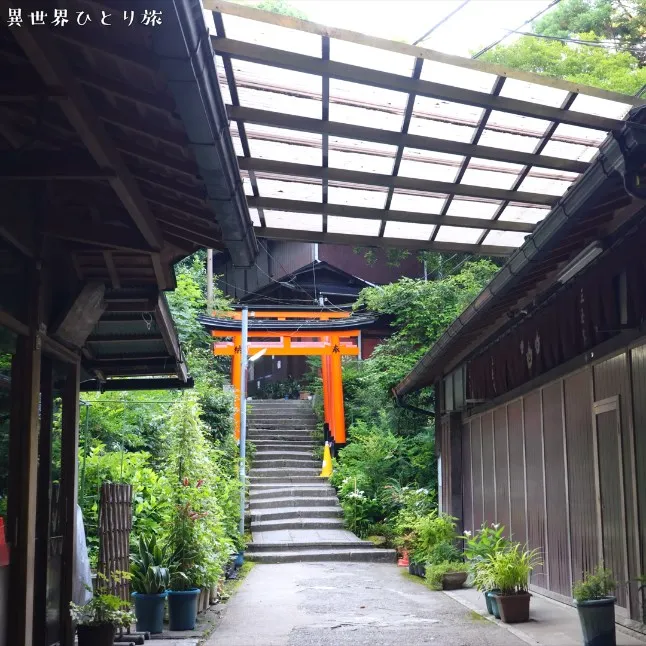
x=182 y=608
x=597 y=619
x=492 y=603
x=149 y=610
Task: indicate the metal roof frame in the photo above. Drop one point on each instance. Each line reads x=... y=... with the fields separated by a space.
x=333 y=201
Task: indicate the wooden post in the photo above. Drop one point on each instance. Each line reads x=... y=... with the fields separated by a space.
x=236 y=380
x=69 y=493
x=43 y=522
x=25 y=390
x=336 y=384
x=454 y=495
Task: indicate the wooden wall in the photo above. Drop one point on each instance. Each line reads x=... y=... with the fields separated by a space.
x=558 y=467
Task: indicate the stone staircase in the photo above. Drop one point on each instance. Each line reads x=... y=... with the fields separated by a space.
x=295 y=514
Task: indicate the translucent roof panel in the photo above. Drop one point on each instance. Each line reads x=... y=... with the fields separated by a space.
x=472 y=208
x=458 y=234
x=264 y=149
x=524 y=213
x=283 y=103
x=260 y=33
x=344 y=51
x=507 y=141
x=423 y=164
x=541 y=94
x=417 y=203
x=494 y=174
x=298 y=221
x=517 y=124
x=569 y=151
x=600 y=107
x=255 y=218
x=457 y=76
x=505 y=238
x=310 y=191
x=355 y=161
x=411 y=230
x=356 y=226
x=365 y=106
x=472 y=128
x=359 y=196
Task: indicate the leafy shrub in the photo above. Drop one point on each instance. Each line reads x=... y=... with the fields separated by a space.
x=509 y=568
x=597 y=585
x=432 y=530
x=149 y=573
x=435 y=572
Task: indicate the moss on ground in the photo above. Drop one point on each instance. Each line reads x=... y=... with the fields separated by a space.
x=231 y=585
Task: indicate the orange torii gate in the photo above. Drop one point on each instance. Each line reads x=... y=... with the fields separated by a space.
x=330 y=335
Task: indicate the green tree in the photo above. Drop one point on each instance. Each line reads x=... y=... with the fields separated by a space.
x=282 y=7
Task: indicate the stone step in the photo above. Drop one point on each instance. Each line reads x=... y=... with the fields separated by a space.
x=280 y=414
x=268 y=491
x=287 y=463
x=297 y=444
x=291 y=500
x=286 y=481
x=312 y=544
x=374 y=555
x=287 y=472
x=281 y=437
x=287 y=453
x=285 y=513
x=296 y=523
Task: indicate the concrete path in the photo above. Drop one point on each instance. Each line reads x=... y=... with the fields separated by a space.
x=348 y=604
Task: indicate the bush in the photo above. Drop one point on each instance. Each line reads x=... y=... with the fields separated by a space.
x=435 y=572
x=509 y=568
x=597 y=585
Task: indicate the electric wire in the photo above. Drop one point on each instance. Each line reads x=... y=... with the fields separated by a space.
x=497 y=42
x=441 y=22
x=577 y=41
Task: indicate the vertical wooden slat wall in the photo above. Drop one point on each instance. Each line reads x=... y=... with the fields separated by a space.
x=467 y=493
x=639 y=406
x=476 y=472
x=580 y=473
x=530 y=465
x=517 y=471
x=488 y=469
x=557 y=517
x=535 y=483
x=501 y=461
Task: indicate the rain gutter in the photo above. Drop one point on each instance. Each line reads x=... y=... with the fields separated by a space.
x=612 y=158
x=188 y=63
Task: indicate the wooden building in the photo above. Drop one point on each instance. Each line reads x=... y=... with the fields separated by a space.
x=540 y=385
x=116 y=163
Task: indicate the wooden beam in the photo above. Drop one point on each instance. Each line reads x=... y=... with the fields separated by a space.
x=118 y=338
x=82 y=316
x=60 y=225
x=303 y=206
x=43 y=53
x=393 y=138
x=251 y=13
x=50 y=165
x=290 y=169
x=112 y=270
x=375 y=241
x=386 y=80
x=166 y=327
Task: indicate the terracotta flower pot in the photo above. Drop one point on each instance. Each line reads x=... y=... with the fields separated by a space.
x=453 y=580
x=513 y=608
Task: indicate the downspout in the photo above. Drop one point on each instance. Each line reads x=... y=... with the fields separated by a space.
x=188 y=63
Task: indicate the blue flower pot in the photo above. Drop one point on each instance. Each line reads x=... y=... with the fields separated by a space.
x=182 y=608
x=149 y=610
x=597 y=618
x=492 y=603
x=239 y=560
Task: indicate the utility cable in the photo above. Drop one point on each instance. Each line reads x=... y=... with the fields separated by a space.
x=577 y=41
x=497 y=42
x=439 y=24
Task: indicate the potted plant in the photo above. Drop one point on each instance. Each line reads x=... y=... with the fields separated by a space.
x=596 y=607
x=150 y=578
x=446 y=575
x=509 y=571
x=97 y=621
x=478 y=548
